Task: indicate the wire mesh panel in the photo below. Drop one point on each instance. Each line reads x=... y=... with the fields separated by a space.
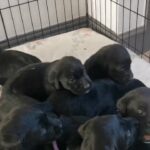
x=126 y=21
x=25 y=20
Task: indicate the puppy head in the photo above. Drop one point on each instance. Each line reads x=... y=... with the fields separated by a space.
x=119 y=64
x=73 y=77
x=30 y=127
x=137 y=104
x=108 y=132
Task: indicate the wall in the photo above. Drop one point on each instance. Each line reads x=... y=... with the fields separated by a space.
x=112 y=14
x=37 y=14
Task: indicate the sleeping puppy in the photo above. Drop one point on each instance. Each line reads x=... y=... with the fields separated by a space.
x=28 y=127
x=109 y=132
x=112 y=61
x=12 y=61
x=137 y=104
x=38 y=81
x=100 y=100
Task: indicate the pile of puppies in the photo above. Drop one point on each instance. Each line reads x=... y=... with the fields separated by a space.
x=67 y=105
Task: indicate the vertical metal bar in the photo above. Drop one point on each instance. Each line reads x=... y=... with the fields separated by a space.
x=65 y=15
x=129 y=24
x=116 y=20
x=72 y=13
x=143 y=41
x=4 y=28
x=100 y=16
x=122 y=40
x=92 y=14
x=105 y=17
x=136 y=25
x=87 y=12
x=40 y=17
x=22 y=21
x=111 y=18
x=12 y=18
x=31 y=20
x=49 y=19
x=96 y=25
x=79 y=12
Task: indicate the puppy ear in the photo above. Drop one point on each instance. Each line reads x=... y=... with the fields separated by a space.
x=122 y=105
x=82 y=129
x=53 y=79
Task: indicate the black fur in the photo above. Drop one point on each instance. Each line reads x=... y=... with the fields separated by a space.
x=141 y=146
x=38 y=81
x=70 y=137
x=11 y=61
x=112 y=61
x=25 y=126
x=109 y=132
x=137 y=104
x=100 y=100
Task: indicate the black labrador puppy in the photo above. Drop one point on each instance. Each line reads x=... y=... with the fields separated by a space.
x=137 y=104
x=109 y=132
x=12 y=61
x=100 y=100
x=27 y=127
x=38 y=81
x=112 y=61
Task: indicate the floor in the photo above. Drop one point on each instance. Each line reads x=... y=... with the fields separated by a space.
x=80 y=43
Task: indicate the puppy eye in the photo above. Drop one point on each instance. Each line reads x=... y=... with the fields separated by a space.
x=141 y=112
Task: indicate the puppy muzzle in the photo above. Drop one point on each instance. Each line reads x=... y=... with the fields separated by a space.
x=82 y=88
